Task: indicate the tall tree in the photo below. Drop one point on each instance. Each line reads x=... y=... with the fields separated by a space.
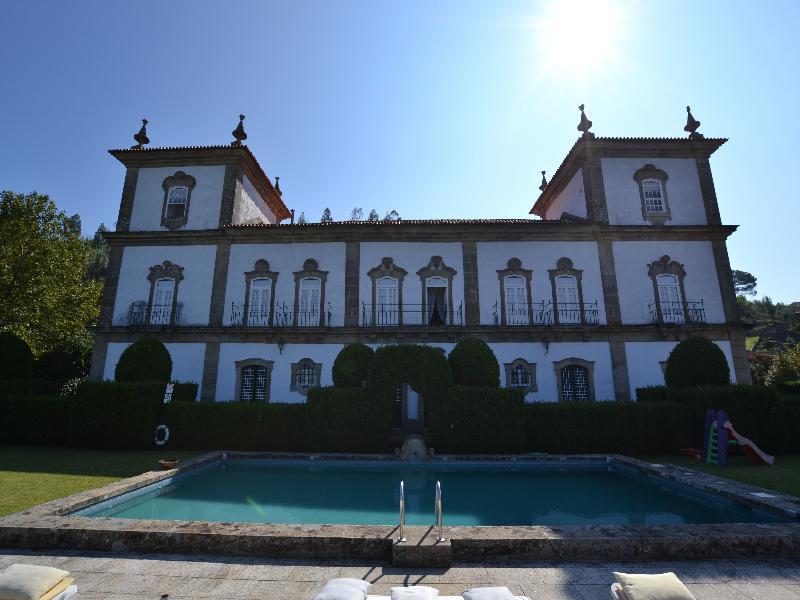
x=326 y=216
x=357 y=214
x=744 y=283
x=99 y=252
x=302 y=219
x=373 y=216
x=392 y=215
x=44 y=294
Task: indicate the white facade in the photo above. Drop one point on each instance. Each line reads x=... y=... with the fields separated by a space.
x=243 y=286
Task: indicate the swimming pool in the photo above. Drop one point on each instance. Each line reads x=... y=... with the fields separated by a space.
x=474 y=493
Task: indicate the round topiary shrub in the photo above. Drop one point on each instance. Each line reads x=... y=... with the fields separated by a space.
x=424 y=368
x=351 y=367
x=16 y=358
x=473 y=363
x=144 y=361
x=696 y=361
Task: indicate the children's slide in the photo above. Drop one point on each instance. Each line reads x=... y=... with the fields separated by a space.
x=720 y=434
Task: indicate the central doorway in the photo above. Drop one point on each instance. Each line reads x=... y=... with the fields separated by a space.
x=409 y=410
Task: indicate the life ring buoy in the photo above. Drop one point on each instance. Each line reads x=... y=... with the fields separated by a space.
x=162 y=435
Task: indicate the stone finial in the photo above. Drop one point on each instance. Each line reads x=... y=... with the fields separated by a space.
x=278 y=185
x=239 y=133
x=141 y=137
x=692 y=125
x=544 y=182
x=585 y=125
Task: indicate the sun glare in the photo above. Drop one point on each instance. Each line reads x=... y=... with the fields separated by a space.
x=575 y=37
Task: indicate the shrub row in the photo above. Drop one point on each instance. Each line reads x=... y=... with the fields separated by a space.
x=348 y=420
x=30 y=387
x=469 y=419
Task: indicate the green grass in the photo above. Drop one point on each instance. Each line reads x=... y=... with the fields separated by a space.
x=30 y=475
x=783 y=476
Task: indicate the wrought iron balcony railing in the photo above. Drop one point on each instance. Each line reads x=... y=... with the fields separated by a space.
x=677 y=313
x=155 y=315
x=546 y=313
x=284 y=316
x=410 y=315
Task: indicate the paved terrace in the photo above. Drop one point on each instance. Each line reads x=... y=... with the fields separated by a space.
x=128 y=576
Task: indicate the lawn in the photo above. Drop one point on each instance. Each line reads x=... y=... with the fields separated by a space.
x=30 y=475
x=783 y=476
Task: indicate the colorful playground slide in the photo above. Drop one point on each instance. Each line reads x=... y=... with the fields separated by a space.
x=720 y=434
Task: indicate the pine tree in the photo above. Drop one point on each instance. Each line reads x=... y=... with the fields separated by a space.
x=326 y=216
x=373 y=216
x=357 y=214
x=302 y=219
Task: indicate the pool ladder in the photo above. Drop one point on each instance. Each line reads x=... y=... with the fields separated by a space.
x=438 y=505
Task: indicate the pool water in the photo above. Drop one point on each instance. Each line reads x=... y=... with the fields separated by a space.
x=316 y=492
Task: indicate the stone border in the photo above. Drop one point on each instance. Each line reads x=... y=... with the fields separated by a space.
x=53 y=525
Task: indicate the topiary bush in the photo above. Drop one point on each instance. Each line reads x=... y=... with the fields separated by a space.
x=424 y=368
x=16 y=358
x=472 y=362
x=351 y=367
x=696 y=361
x=146 y=360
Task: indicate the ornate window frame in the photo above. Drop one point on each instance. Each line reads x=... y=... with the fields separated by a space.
x=387 y=268
x=165 y=270
x=514 y=268
x=254 y=362
x=311 y=270
x=305 y=362
x=574 y=361
x=178 y=179
x=521 y=362
x=436 y=267
x=666 y=266
x=564 y=266
x=260 y=271
x=650 y=171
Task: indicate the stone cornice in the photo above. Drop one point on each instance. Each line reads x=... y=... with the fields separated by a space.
x=620 y=148
x=455 y=232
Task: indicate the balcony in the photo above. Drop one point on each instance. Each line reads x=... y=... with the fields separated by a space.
x=410 y=315
x=677 y=313
x=285 y=316
x=157 y=315
x=545 y=313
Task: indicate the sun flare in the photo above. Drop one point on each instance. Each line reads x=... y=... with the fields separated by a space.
x=575 y=37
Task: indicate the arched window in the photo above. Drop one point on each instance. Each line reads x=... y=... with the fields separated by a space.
x=653 y=193
x=177 y=199
x=569 y=307
x=259 y=302
x=161 y=307
x=516 y=300
x=305 y=375
x=309 y=308
x=521 y=375
x=575 y=380
x=253 y=381
x=669 y=297
x=387 y=307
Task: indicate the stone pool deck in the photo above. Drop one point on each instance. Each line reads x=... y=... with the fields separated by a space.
x=127 y=577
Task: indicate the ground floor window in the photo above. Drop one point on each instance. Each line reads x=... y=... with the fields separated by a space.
x=575 y=379
x=253 y=380
x=305 y=375
x=521 y=375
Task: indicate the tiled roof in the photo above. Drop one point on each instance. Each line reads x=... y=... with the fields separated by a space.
x=168 y=148
x=398 y=223
x=646 y=141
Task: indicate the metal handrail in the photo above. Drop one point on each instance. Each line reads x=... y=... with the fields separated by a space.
x=439 y=511
x=402 y=537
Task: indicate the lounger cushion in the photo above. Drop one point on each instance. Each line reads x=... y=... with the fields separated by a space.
x=665 y=586
x=344 y=588
x=28 y=582
x=488 y=593
x=416 y=592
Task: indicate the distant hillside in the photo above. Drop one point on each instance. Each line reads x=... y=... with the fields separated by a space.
x=774 y=326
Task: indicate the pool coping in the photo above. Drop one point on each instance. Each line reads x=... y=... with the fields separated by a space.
x=52 y=525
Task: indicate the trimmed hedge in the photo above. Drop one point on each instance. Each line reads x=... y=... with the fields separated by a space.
x=16 y=358
x=146 y=359
x=34 y=420
x=184 y=391
x=351 y=367
x=623 y=427
x=472 y=362
x=696 y=361
x=30 y=387
x=483 y=420
x=348 y=420
x=236 y=426
x=424 y=368
x=69 y=359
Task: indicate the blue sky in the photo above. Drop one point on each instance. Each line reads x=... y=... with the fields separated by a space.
x=435 y=109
